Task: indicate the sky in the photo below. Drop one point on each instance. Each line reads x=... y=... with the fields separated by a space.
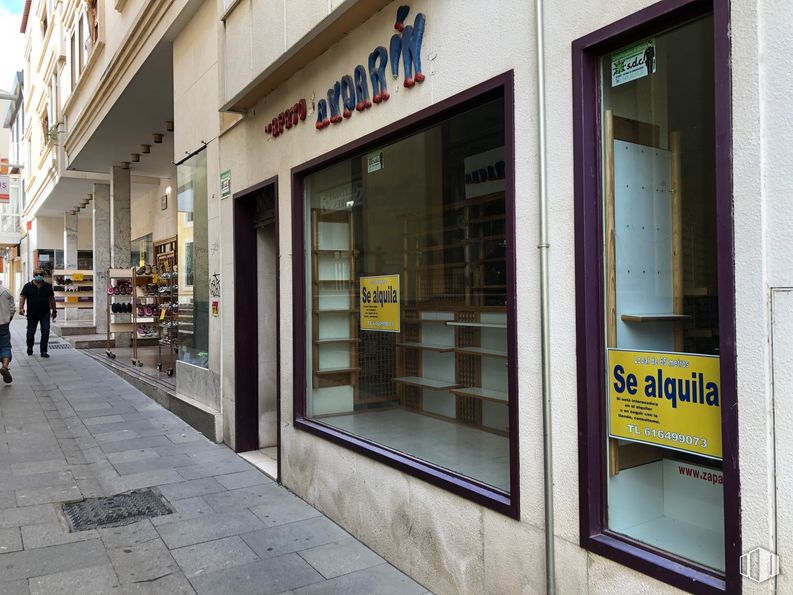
x=12 y=42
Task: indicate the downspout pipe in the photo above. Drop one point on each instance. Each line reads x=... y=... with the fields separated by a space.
x=550 y=558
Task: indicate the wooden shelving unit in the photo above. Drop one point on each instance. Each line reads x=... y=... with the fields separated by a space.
x=452 y=350
x=334 y=352
x=73 y=288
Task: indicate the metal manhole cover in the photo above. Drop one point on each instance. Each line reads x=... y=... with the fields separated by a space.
x=114 y=511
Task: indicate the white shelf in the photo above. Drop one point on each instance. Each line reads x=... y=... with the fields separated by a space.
x=482 y=351
x=337 y=371
x=428 y=347
x=478 y=324
x=476 y=392
x=430 y=383
x=661 y=317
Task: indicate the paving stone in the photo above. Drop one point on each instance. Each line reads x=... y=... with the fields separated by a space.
x=47 y=534
x=242 y=497
x=149 y=479
x=39 y=467
x=213 y=555
x=132 y=534
x=145 y=561
x=85 y=581
x=335 y=559
x=36 y=481
x=283 y=507
x=135 y=444
x=102 y=419
x=243 y=479
x=10 y=540
x=189 y=489
x=378 y=580
x=294 y=537
x=17 y=587
x=132 y=455
x=266 y=577
x=214 y=469
x=172 y=584
x=28 y=515
x=207 y=527
x=188 y=508
x=152 y=464
x=49 y=560
x=7 y=499
x=29 y=497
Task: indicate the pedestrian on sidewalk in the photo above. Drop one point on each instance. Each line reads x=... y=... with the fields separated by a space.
x=7 y=311
x=41 y=306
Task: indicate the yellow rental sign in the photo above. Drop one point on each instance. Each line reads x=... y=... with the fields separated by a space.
x=379 y=299
x=666 y=399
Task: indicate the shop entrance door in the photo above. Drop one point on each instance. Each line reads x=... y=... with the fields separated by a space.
x=256 y=327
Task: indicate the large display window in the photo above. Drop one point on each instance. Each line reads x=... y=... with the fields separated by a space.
x=193 y=260
x=663 y=356
x=407 y=274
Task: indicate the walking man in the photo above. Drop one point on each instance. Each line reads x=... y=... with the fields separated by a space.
x=41 y=306
x=7 y=310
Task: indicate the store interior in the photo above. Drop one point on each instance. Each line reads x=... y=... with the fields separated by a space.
x=425 y=218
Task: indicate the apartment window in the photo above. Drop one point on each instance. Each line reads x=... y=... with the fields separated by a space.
x=408 y=328
x=656 y=366
x=73 y=62
x=81 y=39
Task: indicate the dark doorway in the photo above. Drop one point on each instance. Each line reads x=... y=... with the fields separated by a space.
x=256 y=316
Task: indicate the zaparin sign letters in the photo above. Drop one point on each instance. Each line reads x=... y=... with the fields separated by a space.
x=666 y=399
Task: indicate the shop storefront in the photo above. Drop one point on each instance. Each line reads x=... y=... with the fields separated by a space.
x=392 y=195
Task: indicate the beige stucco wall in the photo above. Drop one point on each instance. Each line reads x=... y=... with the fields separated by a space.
x=49 y=233
x=446 y=542
x=146 y=213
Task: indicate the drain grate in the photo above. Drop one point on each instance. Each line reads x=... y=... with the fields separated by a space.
x=59 y=346
x=114 y=511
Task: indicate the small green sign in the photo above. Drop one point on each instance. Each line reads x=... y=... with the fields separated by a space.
x=225 y=184
x=634 y=62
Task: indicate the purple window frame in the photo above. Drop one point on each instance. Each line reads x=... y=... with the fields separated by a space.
x=590 y=331
x=488 y=496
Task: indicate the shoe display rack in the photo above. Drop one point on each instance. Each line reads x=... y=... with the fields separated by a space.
x=119 y=305
x=154 y=311
x=73 y=288
x=168 y=290
x=145 y=310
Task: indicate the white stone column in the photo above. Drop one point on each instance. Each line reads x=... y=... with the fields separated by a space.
x=70 y=255
x=120 y=222
x=101 y=233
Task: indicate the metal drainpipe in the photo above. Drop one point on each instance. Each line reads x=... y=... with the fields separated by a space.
x=550 y=563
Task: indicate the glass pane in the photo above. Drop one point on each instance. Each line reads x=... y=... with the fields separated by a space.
x=193 y=261
x=662 y=331
x=407 y=281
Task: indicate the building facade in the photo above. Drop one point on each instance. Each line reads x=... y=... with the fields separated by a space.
x=500 y=289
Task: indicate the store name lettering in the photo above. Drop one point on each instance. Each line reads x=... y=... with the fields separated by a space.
x=290 y=117
x=379 y=296
x=695 y=390
x=351 y=93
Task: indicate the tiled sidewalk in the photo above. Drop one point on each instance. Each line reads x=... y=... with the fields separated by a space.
x=72 y=429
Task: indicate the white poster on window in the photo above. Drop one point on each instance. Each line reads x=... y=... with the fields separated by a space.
x=485 y=173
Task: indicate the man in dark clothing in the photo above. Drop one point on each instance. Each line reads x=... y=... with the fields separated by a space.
x=41 y=306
